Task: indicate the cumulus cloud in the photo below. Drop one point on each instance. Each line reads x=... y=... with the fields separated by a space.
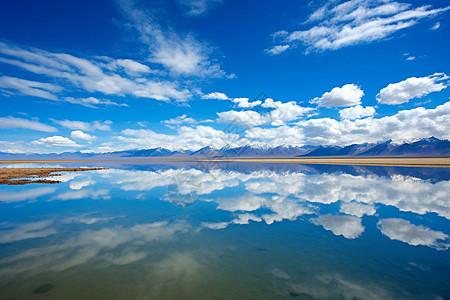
x=356 y=112
x=406 y=124
x=357 y=209
x=347 y=95
x=342 y=24
x=56 y=140
x=413 y=87
x=415 y=235
x=244 y=102
x=349 y=227
x=246 y=118
x=275 y=50
x=277 y=113
x=215 y=96
x=78 y=134
x=11 y=122
x=190 y=138
x=92 y=75
x=85 y=126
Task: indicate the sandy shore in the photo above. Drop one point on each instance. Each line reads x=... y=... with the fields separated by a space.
x=443 y=162
x=6 y=174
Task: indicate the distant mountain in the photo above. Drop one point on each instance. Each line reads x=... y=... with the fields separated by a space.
x=323 y=151
x=427 y=147
x=420 y=148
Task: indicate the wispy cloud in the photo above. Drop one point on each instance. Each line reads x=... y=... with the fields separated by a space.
x=436 y=26
x=275 y=50
x=353 y=22
x=85 y=126
x=30 y=88
x=120 y=77
x=181 y=55
x=215 y=96
x=198 y=7
x=11 y=122
x=93 y=102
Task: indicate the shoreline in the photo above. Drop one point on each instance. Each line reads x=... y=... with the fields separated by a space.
x=442 y=162
x=20 y=176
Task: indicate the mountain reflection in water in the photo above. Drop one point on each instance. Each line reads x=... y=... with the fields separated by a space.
x=227 y=231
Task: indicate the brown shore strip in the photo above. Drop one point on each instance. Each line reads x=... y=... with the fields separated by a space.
x=443 y=162
x=6 y=174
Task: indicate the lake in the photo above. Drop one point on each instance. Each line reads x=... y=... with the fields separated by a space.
x=228 y=231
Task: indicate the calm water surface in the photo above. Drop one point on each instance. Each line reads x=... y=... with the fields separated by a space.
x=228 y=231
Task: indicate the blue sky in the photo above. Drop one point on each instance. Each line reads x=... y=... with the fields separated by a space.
x=108 y=75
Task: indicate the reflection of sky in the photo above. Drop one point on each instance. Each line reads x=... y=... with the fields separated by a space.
x=118 y=217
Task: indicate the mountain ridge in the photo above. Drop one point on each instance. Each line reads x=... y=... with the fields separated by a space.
x=426 y=147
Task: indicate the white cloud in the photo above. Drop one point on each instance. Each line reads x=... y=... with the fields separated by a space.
x=183 y=119
x=356 y=112
x=347 y=95
x=92 y=75
x=56 y=141
x=406 y=124
x=413 y=87
x=27 y=231
x=215 y=96
x=10 y=122
x=349 y=227
x=30 y=88
x=284 y=111
x=85 y=126
x=246 y=118
x=277 y=113
x=275 y=50
x=23 y=195
x=12 y=147
x=180 y=55
x=415 y=235
x=357 y=209
x=78 y=134
x=129 y=66
x=78 y=185
x=92 y=102
x=243 y=102
x=215 y=226
x=411 y=58
x=343 y=24
x=436 y=26
x=198 y=7
x=110 y=245
x=191 y=138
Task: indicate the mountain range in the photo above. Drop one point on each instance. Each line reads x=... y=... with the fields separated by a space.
x=427 y=147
